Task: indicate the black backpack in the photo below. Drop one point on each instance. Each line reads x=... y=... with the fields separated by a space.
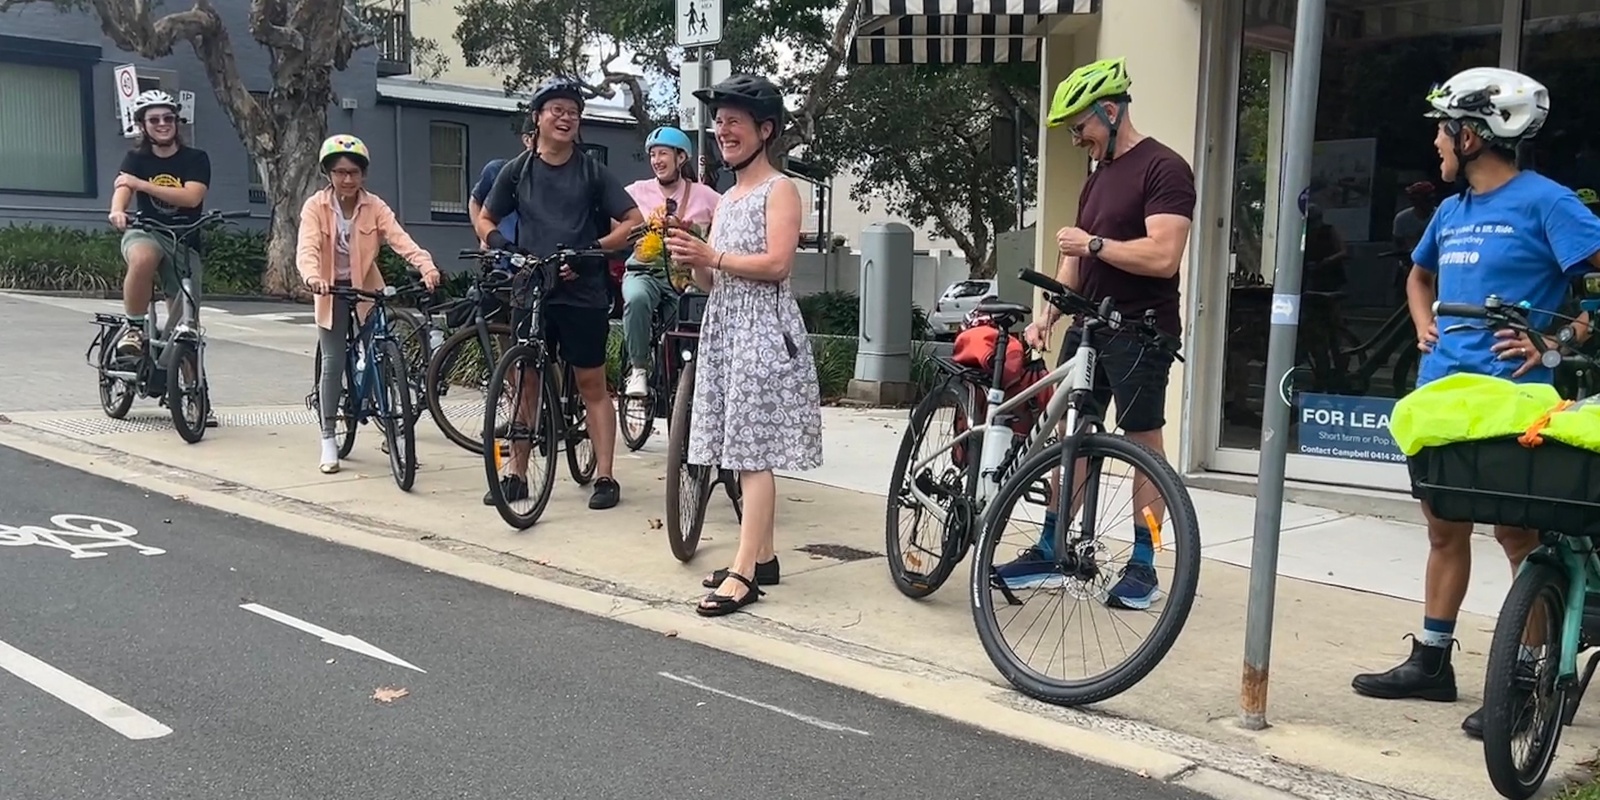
x=593 y=173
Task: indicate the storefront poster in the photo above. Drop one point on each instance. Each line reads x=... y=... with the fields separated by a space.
x=1341 y=184
x=1345 y=426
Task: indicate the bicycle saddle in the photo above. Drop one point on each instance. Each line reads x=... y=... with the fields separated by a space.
x=1003 y=313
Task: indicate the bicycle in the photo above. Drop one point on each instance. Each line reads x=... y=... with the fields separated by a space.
x=172 y=363
x=554 y=417
x=466 y=358
x=993 y=466
x=1551 y=488
x=689 y=486
x=636 y=416
x=376 y=386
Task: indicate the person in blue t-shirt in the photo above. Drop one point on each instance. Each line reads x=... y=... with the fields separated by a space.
x=1517 y=235
x=480 y=190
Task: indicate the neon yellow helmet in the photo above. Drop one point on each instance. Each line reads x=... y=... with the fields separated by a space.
x=1589 y=197
x=343 y=144
x=1086 y=86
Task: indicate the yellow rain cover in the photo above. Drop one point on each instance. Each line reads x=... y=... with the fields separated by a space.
x=1578 y=426
x=1466 y=408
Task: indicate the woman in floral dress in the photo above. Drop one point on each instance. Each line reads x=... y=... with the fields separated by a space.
x=756 y=401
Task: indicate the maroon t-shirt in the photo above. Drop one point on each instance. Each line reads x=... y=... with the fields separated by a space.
x=1147 y=180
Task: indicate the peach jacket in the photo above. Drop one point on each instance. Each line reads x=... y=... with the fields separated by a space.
x=373 y=226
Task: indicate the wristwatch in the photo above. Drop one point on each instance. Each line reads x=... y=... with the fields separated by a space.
x=1095 y=244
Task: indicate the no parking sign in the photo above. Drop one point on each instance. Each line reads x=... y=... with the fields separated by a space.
x=127 y=83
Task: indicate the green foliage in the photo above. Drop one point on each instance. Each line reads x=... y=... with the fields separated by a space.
x=918 y=137
x=838 y=313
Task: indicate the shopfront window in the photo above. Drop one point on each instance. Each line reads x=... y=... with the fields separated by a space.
x=1561 y=49
x=1357 y=348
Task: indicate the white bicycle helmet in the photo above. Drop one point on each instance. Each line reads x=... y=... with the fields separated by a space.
x=1508 y=106
x=152 y=99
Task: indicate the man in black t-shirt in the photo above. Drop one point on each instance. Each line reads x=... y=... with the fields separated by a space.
x=167 y=180
x=560 y=195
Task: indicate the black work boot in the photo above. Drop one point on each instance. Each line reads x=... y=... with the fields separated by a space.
x=1426 y=675
x=1521 y=691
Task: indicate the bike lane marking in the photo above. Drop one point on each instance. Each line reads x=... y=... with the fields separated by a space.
x=99 y=706
x=81 y=535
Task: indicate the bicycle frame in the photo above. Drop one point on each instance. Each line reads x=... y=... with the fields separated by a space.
x=1069 y=380
x=185 y=326
x=1577 y=557
x=366 y=380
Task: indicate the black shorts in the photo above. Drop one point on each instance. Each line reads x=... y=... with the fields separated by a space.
x=1132 y=374
x=578 y=335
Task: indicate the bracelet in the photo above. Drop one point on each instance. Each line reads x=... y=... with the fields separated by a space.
x=719 y=260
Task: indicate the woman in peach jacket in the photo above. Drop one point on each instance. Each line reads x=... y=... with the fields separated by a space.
x=342 y=229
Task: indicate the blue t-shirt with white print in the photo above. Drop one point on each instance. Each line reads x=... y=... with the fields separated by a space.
x=1523 y=241
x=480 y=192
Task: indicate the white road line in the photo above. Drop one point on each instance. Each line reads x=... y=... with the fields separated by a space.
x=794 y=715
x=105 y=709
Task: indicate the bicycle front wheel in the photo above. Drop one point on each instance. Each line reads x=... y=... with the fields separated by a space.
x=186 y=392
x=519 y=448
x=1130 y=600
x=457 y=384
x=399 y=423
x=688 y=485
x=1523 y=698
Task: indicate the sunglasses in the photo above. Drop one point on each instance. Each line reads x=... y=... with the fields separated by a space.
x=161 y=119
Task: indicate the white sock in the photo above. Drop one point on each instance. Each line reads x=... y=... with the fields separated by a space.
x=330 y=450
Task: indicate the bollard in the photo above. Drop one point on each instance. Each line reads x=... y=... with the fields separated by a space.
x=883 y=348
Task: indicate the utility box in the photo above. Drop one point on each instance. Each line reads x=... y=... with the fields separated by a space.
x=883 y=348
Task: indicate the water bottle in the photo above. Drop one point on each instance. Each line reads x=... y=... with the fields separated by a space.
x=435 y=339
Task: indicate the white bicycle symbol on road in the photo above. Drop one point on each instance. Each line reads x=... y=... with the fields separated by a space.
x=79 y=534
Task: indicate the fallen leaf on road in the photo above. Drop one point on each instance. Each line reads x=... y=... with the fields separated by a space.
x=182 y=498
x=672 y=634
x=655 y=524
x=166 y=522
x=801 y=500
x=1143 y=774
x=389 y=694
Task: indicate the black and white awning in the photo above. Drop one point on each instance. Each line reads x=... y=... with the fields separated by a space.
x=956 y=31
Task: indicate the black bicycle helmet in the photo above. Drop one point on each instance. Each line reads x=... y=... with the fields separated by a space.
x=751 y=93
x=559 y=86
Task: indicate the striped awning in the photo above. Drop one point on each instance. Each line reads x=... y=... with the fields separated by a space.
x=956 y=31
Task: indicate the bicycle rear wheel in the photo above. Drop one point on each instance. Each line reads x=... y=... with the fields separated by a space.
x=582 y=460
x=688 y=485
x=920 y=564
x=525 y=432
x=398 y=422
x=457 y=382
x=344 y=421
x=1522 y=697
x=1080 y=573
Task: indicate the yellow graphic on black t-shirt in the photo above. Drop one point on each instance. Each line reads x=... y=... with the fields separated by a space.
x=165 y=181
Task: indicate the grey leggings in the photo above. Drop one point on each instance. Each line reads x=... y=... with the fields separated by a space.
x=333 y=342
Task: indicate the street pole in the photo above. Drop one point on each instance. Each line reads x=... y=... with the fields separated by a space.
x=1016 y=147
x=1299 y=134
x=704 y=65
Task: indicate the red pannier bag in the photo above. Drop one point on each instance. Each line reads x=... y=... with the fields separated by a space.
x=975 y=348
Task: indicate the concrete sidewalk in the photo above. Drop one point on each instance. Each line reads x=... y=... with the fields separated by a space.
x=847 y=606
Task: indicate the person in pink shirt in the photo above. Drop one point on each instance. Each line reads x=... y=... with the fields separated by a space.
x=647 y=286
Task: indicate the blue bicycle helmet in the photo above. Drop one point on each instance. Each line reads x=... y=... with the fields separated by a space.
x=669 y=137
x=559 y=86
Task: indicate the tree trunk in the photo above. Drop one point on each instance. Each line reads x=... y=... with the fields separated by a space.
x=292 y=175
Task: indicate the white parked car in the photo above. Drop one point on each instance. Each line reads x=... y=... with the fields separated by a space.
x=952 y=306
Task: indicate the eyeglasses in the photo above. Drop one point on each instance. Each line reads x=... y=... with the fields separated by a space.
x=162 y=119
x=560 y=112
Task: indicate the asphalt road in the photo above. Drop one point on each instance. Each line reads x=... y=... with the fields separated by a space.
x=519 y=699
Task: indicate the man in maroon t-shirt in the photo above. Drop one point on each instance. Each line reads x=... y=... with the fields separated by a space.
x=1133 y=224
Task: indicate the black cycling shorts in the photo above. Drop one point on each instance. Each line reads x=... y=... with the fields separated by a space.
x=577 y=335
x=1130 y=373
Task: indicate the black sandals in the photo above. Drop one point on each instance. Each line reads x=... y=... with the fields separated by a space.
x=766 y=575
x=721 y=605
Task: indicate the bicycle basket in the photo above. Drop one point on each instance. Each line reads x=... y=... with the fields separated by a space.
x=692 y=307
x=1551 y=487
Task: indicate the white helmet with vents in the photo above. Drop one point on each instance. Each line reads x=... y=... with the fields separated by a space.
x=152 y=99
x=1510 y=105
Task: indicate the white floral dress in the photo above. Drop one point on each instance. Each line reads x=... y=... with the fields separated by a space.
x=756 y=407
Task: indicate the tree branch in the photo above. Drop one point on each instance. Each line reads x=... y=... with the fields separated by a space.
x=266 y=25
x=805 y=120
x=935 y=207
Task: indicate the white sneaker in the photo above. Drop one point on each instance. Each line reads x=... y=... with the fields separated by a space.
x=330 y=455
x=638 y=383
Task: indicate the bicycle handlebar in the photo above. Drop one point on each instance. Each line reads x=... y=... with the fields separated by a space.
x=386 y=294
x=1070 y=302
x=144 y=222
x=1501 y=315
